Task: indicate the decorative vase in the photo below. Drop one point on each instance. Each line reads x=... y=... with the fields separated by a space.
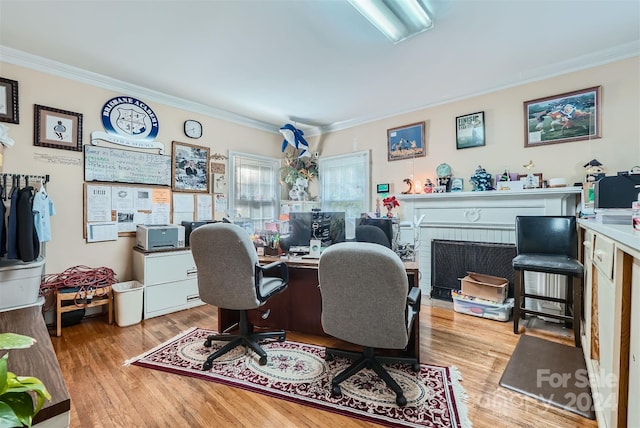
x=389 y=211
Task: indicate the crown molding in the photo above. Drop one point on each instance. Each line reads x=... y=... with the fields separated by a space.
x=593 y=59
x=23 y=59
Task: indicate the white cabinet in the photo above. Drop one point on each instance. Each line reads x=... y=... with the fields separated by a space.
x=611 y=333
x=170 y=280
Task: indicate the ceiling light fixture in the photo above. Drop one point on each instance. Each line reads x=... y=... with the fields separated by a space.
x=396 y=19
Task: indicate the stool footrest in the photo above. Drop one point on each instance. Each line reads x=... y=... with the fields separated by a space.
x=546 y=298
x=546 y=314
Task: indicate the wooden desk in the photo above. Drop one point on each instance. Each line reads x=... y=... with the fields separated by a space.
x=39 y=360
x=299 y=307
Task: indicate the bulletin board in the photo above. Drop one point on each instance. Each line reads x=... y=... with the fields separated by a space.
x=113 y=210
x=126 y=166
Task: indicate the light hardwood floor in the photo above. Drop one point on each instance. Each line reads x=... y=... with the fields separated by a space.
x=104 y=393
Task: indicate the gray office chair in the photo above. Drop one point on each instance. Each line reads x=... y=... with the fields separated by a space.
x=230 y=277
x=548 y=244
x=366 y=301
x=373 y=234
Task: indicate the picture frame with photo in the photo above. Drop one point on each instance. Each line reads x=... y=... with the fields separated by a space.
x=538 y=182
x=470 y=130
x=562 y=118
x=57 y=129
x=9 y=111
x=190 y=168
x=406 y=142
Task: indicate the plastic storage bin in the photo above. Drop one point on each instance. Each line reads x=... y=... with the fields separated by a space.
x=128 y=301
x=20 y=282
x=482 y=308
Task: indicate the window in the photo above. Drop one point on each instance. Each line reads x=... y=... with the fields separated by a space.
x=255 y=188
x=344 y=183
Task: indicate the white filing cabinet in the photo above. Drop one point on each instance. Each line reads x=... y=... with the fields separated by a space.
x=170 y=280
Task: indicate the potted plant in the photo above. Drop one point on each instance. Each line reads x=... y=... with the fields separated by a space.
x=16 y=399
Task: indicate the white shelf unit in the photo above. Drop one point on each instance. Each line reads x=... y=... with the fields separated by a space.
x=170 y=281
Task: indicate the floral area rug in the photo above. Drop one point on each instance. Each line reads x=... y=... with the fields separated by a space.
x=298 y=372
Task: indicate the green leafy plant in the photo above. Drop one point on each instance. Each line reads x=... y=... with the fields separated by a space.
x=16 y=392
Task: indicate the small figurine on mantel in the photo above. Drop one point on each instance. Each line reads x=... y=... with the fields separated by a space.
x=594 y=170
x=531 y=182
x=481 y=180
x=428 y=186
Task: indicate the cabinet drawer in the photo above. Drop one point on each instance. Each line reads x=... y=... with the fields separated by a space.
x=169 y=267
x=603 y=252
x=169 y=297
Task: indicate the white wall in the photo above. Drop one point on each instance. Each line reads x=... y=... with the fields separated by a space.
x=618 y=149
x=68 y=247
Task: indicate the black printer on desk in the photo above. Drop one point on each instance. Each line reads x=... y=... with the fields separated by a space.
x=190 y=226
x=616 y=191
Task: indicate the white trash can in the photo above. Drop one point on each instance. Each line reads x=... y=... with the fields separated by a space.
x=128 y=301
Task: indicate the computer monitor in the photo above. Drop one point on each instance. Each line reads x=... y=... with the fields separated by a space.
x=327 y=226
x=386 y=224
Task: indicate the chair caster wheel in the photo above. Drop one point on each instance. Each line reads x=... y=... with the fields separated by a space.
x=263 y=361
x=401 y=401
x=416 y=367
x=335 y=390
x=207 y=366
x=207 y=343
x=328 y=357
x=281 y=339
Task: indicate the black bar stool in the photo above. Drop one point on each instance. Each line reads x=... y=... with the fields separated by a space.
x=548 y=244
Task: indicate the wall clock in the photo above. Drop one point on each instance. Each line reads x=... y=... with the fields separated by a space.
x=192 y=128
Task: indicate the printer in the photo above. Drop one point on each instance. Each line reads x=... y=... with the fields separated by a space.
x=151 y=237
x=616 y=191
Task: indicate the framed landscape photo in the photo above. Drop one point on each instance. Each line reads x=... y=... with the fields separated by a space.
x=572 y=116
x=9 y=101
x=470 y=130
x=57 y=129
x=406 y=142
x=190 y=168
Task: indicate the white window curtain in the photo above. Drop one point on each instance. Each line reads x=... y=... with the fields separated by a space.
x=345 y=185
x=255 y=189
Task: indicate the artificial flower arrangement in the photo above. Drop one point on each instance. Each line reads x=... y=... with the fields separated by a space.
x=298 y=167
x=390 y=203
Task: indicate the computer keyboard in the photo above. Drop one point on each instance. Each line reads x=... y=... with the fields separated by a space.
x=299 y=249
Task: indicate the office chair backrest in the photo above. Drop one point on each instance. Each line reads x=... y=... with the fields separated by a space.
x=225 y=258
x=364 y=291
x=547 y=235
x=373 y=234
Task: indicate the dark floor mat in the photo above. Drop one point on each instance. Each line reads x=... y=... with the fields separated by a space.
x=550 y=372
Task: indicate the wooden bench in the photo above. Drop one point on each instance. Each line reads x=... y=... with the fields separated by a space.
x=100 y=296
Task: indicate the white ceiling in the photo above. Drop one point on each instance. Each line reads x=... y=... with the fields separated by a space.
x=314 y=62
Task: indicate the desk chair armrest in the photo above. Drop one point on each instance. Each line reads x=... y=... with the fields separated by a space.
x=284 y=270
x=413 y=305
x=414 y=298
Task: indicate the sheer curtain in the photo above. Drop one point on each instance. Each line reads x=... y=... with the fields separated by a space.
x=345 y=186
x=255 y=189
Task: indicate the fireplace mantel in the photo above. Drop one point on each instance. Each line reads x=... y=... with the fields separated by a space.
x=475 y=216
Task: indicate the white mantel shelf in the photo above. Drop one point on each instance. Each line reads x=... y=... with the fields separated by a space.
x=492 y=194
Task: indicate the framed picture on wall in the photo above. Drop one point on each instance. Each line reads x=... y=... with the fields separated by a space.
x=572 y=116
x=406 y=142
x=9 y=101
x=57 y=129
x=470 y=130
x=190 y=168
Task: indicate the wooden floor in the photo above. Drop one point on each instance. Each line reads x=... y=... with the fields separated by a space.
x=104 y=393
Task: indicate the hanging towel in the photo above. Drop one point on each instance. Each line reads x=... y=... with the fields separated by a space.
x=42 y=211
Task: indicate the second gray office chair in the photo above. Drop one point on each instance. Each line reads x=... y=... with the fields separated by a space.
x=230 y=277
x=366 y=301
x=373 y=234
